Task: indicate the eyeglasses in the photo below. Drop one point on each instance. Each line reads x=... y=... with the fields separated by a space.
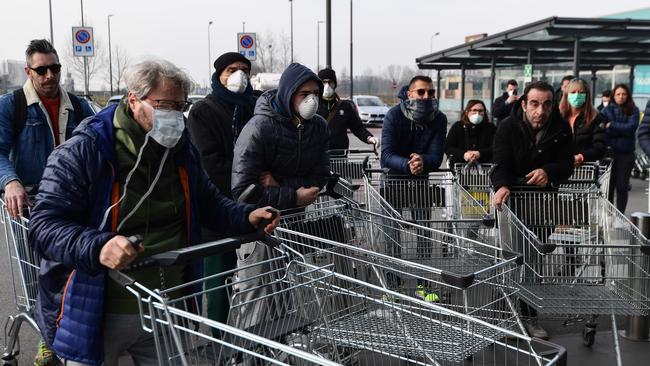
x=421 y=92
x=42 y=70
x=171 y=105
x=477 y=110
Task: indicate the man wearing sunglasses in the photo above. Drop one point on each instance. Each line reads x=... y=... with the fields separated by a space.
x=33 y=121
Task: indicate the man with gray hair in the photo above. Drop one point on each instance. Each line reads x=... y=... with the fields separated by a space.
x=129 y=170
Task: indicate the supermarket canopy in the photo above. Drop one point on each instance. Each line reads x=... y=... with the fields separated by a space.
x=588 y=43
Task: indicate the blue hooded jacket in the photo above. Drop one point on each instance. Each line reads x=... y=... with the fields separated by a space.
x=74 y=194
x=295 y=155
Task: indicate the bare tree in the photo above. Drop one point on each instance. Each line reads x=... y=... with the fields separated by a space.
x=273 y=52
x=121 y=62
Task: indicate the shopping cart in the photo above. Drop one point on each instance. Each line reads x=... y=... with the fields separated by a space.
x=350 y=166
x=589 y=176
x=581 y=255
x=475 y=178
x=436 y=200
x=468 y=276
x=24 y=267
x=307 y=305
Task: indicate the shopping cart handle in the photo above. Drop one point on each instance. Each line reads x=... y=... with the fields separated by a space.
x=489 y=220
x=546 y=248
x=508 y=255
x=462 y=281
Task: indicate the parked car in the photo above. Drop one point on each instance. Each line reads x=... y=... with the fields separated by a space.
x=93 y=105
x=372 y=110
x=193 y=98
x=114 y=99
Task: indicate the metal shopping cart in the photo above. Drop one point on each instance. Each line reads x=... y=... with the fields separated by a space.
x=446 y=268
x=321 y=314
x=350 y=166
x=589 y=176
x=475 y=178
x=24 y=267
x=581 y=255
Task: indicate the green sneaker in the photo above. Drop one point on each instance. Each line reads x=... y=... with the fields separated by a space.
x=45 y=356
x=425 y=295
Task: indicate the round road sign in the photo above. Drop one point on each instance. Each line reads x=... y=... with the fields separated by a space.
x=82 y=36
x=246 y=41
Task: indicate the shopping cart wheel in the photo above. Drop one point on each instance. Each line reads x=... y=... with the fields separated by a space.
x=9 y=360
x=588 y=336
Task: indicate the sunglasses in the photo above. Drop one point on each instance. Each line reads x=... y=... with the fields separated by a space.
x=422 y=92
x=42 y=70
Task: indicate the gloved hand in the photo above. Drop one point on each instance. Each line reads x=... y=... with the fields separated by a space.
x=374 y=141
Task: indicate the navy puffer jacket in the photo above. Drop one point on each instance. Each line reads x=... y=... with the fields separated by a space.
x=622 y=130
x=295 y=155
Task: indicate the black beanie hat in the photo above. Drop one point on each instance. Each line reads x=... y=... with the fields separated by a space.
x=327 y=74
x=228 y=58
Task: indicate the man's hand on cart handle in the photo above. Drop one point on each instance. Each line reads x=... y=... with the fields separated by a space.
x=501 y=196
x=266 y=218
x=119 y=252
x=537 y=177
x=16 y=198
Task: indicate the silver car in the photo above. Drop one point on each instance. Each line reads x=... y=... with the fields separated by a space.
x=372 y=110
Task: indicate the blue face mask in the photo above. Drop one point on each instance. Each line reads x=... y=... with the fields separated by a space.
x=576 y=100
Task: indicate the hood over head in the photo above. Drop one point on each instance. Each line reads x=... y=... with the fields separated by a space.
x=292 y=78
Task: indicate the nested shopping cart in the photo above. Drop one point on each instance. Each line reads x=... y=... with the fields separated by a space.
x=350 y=165
x=475 y=178
x=24 y=266
x=320 y=314
x=435 y=200
x=444 y=267
x=581 y=255
x=590 y=176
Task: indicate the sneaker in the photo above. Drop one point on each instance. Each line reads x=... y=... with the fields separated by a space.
x=423 y=294
x=45 y=356
x=535 y=330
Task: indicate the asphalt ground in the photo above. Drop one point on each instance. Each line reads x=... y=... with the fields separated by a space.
x=601 y=353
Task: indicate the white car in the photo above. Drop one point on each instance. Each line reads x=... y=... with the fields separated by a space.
x=372 y=110
x=193 y=98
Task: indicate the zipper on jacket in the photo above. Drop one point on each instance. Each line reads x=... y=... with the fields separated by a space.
x=300 y=128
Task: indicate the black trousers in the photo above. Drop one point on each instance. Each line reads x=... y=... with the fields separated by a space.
x=622 y=165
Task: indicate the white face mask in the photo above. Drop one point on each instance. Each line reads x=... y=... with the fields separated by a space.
x=475 y=118
x=168 y=126
x=237 y=82
x=328 y=91
x=605 y=104
x=308 y=107
x=511 y=92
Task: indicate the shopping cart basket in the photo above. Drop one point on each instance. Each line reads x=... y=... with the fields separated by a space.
x=359 y=321
x=462 y=274
x=475 y=178
x=24 y=266
x=351 y=164
x=581 y=255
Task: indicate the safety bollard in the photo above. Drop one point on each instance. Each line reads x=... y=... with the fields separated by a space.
x=637 y=327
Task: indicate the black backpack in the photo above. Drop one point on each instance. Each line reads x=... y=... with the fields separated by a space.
x=20 y=110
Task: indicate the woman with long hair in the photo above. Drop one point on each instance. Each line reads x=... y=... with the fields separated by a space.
x=589 y=136
x=470 y=139
x=621 y=121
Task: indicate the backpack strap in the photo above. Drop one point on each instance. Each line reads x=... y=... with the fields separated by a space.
x=76 y=106
x=20 y=111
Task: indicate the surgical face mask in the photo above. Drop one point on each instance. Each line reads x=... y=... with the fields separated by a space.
x=512 y=92
x=328 y=91
x=168 y=126
x=237 y=82
x=605 y=104
x=577 y=100
x=308 y=107
x=475 y=118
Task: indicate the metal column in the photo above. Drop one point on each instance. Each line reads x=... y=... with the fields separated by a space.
x=328 y=34
x=594 y=79
x=631 y=80
x=438 y=91
x=576 y=57
x=462 y=87
x=493 y=75
x=636 y=328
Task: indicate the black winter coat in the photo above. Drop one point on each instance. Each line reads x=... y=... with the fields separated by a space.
x=501 y=110
x=590 y=141
x=271 y=142
x=212 y=133
x=345 y=117
x=516 y=154
x=462 y=138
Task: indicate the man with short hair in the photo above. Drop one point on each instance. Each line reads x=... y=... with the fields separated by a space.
x=562 y=89
x=604 y=99
x=129 y=170
x=33 y=121
x=503 y=105
x=340 y=115
x=534 y=146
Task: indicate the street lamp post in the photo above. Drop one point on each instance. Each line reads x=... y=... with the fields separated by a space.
x=431 y=42
x=209 y=54
x=51 y=26
x=271 y=56
x=86 y=80
x=243 y=27
x=351 y=56
x=110 y=53
x=318 y=44
x=291 y=6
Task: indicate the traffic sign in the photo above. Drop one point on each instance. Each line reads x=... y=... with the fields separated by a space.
x=247 y=45
x=528 y=72
x=83 y=44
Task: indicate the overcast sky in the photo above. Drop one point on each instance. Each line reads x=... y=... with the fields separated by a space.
x=385 y=31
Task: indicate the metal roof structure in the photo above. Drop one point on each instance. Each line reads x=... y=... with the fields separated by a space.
x=589 y=43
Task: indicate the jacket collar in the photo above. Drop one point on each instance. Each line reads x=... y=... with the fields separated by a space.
x=32 y=96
